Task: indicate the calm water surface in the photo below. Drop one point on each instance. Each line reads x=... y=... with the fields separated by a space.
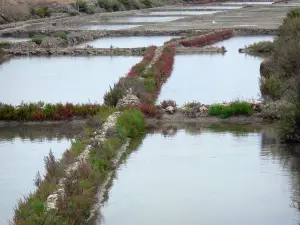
x=249 y=3
x=108 y=27
x=127 y=42
x=211 y=78
x=183 y=12
x=61 y=79
x=8 y=39
x=152 y=19
x=205 y=177
x=213 y=7
x=22 y=153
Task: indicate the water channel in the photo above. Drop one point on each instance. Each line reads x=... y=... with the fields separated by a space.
x=142 y=19
x=22 y=150
x=107 y=27
x=61 y=79
x=213 y=7
x=210 y=176
x=215 y=77
x=182 y=12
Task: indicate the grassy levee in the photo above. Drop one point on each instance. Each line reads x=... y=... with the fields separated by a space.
x=77 y=194
x=43 y=112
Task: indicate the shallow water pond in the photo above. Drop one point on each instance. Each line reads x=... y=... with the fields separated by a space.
x=249 y=3
x=107 y=27
x=22 y=151
x=127 y=42
x=183 y=12
x=10 y=39
x=213 y=7
x=214 y=78
x=61 y=79
x=205 y=177
x=150 y=19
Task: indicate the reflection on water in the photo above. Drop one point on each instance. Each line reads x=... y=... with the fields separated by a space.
x=189 y=179
x=22 y=150
x=215 y=77
x=183 y=12
x=61 y=79
x=127 y=42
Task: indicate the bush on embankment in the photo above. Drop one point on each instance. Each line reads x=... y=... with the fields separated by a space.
x=81 y=186
x=42 y=112
x=235 y=108
x=208 y=39
x=280 y=81
x=138 y=68
x=260 y=47
x=145 y=86
x=122 y=5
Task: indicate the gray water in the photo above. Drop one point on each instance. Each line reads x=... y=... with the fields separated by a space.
x=22 y=151
x=9 y=39
x=205 y=177
x=107 y=27
x=61 y=79
x=214 y=78
x=152 y=19
x=213 y=7
x=127 y=42
x=183 y=12
x=249 y=3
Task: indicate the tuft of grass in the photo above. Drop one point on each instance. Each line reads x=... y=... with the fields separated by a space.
x=61 y=34
x=130 y=124
x=38 y=39
x=41 y=12
x=4 y=44
x=261 y=47
x=235 y=108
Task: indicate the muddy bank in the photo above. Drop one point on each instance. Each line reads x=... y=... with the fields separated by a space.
x=4 y=57
x=77 y=51
x=102 y=51
x=79 y=36
x=178 y=118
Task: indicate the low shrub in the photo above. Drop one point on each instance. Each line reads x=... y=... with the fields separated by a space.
x=235 y=108
x=4 y=44
x=38 y=39
x=149 y=109
x=61 y=34
x=42 y=11
x=111 y=5
x=261 y=47
x=292 y=14
x=139 y=68
x=114 y=94
x=208 y=39
x=130 y=124
x=41 y=111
